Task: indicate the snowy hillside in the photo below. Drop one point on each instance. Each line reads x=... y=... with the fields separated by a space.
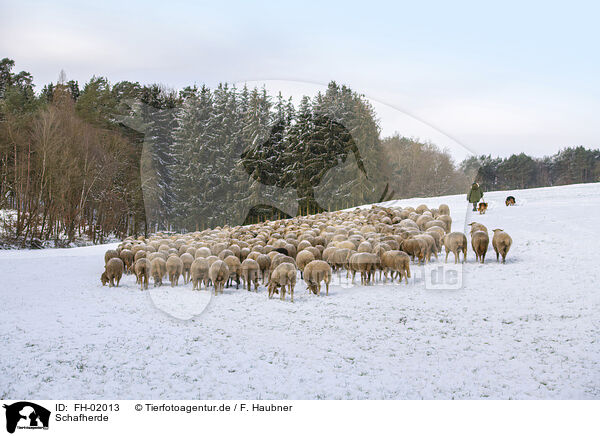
x=528 y=329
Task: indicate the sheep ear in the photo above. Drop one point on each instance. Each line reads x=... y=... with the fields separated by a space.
x=498 y=230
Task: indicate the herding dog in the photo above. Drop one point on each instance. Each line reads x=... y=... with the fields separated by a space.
x=510 y=200
x=482 y=207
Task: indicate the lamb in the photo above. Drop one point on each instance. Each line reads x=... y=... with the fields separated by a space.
x=282 y=276
x=480 y=242
x=158 y=269
x=113 y=271
x=218 y=274
x=174 y=269
x=396 y=261
x=187 y=260
x=142 y=272
x=250 y=274
x=315 y=272
x=456 y=242
x=501 y=241
x=199 y=272
x=444 y=209
x=303 y=258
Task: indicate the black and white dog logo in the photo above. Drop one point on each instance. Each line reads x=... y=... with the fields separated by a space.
x=26 y=415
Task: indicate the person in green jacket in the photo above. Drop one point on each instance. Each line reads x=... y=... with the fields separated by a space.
x=474 y=195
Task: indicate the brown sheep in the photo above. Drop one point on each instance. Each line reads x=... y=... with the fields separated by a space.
x=456 y=242
x=475 y=227
x=158 y=269
x=174 y=269
x=250 y=274
x=480 y=242
x=282 y=258
x=202 y=252
x=235 y=270
x=423 y=220
x=421 y=208
x=264 y=262
x=501 y=241
x=219 y=274
x=431 y=247
x=199 y=272
x=282 y=276
x=314 y=273
x=447 y=220
x=127 y=257
x=113 y=271
x=142 y=272
x=110 y=254
x=140 y=254
x=339 y=258
x=303 y=258
x=415 y=249
x=366 y=264
x=187 y=260
x=396 y=262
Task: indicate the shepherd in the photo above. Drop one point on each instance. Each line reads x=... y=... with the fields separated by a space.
x=474 y=195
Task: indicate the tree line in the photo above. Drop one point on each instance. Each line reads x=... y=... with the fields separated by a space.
x=520 y=171
x=119 y=159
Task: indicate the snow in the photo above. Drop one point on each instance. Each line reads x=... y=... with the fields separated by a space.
x=524 y=330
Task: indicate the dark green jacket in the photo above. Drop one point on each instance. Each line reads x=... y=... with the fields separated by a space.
x=475 y=193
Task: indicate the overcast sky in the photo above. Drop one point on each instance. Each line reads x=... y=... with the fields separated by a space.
x=502 y=78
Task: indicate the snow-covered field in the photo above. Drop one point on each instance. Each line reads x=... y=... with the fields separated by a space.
x=524 y=330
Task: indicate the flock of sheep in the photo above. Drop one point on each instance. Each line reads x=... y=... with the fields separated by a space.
x=359 y=241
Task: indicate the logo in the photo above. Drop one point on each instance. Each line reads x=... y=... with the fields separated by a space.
x=443 y=277
x=26 y=415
